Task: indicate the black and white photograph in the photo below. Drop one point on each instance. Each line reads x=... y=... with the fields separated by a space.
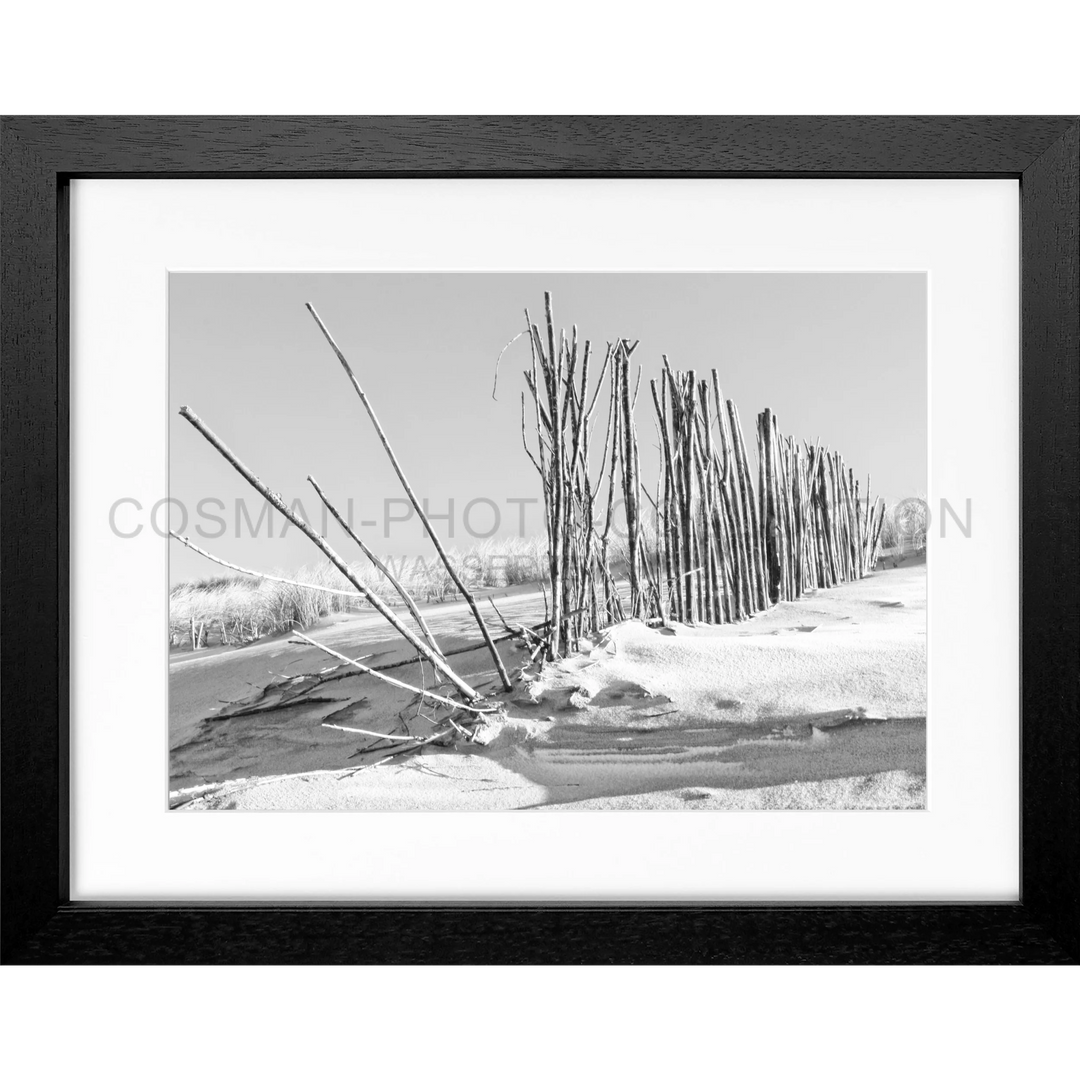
x=564 y=541
x=375 y=473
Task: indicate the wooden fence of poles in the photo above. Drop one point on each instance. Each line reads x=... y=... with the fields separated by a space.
x=585 y=595
x=821 y=529
x=728 y=552
x=720 y=550
x=709 y=531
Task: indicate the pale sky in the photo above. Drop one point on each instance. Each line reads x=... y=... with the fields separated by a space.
x=838 y=357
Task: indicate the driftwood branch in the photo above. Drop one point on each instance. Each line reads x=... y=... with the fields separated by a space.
x=380 y=566
x=416 y=502
x=429 y=694
x=373 y=734
x=275 y=500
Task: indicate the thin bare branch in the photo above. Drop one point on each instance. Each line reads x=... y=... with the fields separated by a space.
x=495 y=384
x=265 y=577
x=430 y=694
x=276 y=501
x=380 y=566
x=454 y=576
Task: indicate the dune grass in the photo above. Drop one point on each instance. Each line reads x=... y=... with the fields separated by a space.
x=236 y=609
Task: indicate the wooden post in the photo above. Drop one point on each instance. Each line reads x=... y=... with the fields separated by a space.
x=691 y=558
x=380 y=566
x=729 y=487
x=500 y=667
x=630 y=485
x=752 y=525
x=668 y=484
x=711 y=607
x=770 y=503
x=278 y=504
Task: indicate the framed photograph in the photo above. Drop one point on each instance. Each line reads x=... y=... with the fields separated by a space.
x=582 y=539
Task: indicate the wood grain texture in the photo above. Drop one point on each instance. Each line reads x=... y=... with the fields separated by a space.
x=575 y=146
x=544 y=935
x=33 y=494
x=1050 y=535
x=37 y=157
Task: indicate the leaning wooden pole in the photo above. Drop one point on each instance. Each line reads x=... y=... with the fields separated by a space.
x=421 y=691
x=556 y=538
x=379 y=565
x=454 y=576
x=278 y=504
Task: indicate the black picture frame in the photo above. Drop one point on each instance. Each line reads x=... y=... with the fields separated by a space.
x=41 y=155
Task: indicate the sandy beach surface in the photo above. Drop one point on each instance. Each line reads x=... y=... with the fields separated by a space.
x=814 y=704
